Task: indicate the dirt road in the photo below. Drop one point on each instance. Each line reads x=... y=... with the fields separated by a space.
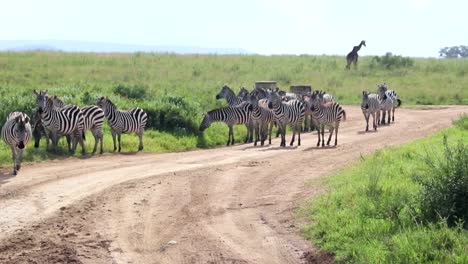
x=224 y=205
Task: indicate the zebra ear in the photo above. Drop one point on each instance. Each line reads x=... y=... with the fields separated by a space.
x=26 y=120
x=35 y=92
x=46 y=91
x=18 y=119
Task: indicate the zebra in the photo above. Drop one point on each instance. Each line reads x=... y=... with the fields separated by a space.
x=370 y=105
x=383 y=89
x=38 y=127
x=386 y=103
x=68 y=120
x=291 y=112
x=263 y=120
x=93 y=121
x=326 y=115
x=124 y=121
x=231 y=115
x=16 y=132
x=234 y=100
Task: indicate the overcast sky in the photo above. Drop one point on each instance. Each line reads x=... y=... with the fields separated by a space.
x=417 y=28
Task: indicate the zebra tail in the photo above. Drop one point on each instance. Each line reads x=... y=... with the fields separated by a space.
x=399 y=102
x=344 y=115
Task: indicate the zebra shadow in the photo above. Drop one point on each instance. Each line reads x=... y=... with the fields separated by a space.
x=5 y=176
x=255 y=147
x=130 y=153
x=367 y=132
x=279 y=148
x=320 y=148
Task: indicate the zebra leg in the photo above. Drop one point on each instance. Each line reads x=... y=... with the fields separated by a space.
x=383 y=118
x=118 y=138
x=299 y=138
x=282 y=128
x=96 y=140
x=323 y=135
x=270 y=131
x=19 y=159
x=229 y=136
x=69 y=142
x=388 y=121
x=393 y=115
x=366 y=116
x=294 y=134
x=330 y=132
x=318 y=135
x=140 y=136
x=336 y=133
x=113 y=138
x=13 y=157
x=374 y=125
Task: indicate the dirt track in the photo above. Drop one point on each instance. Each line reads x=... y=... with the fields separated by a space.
x=224 y=205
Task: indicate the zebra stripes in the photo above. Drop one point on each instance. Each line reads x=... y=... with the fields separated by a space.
x=231 y=115
x=263 y=120
x=326 y=115
x=230 y=97
x=388 y=96
x=124 y=121
x=291 y=112
x=68 y=120
x=16 y=133
x=93 y=121
x=370 y=105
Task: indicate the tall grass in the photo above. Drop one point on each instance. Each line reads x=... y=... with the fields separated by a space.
x=379 y=212
x=175 y=90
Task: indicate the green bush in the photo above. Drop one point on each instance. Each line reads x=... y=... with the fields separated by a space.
x=444 y=181
x=130 y=91
x=390 y=61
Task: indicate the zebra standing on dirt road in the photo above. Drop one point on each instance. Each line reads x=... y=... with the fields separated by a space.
x=382 y=90
x=231 y=115
x=263 y=120
x=16 y=133
x=124 y=121
x=291 y=112
x=326 y=115
x=386 y=104
x=68 y=120
x=370 y=105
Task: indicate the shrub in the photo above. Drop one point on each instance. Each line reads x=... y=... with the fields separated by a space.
x=444 y=186
x=390 y=61
x=130 y=91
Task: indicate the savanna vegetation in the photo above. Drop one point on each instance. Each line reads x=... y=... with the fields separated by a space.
x=175 y=90
x=407 y=204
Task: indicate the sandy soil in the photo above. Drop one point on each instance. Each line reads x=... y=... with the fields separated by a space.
x=225 y=205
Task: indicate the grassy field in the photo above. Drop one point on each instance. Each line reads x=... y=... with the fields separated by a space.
x=175 y=90
x=398 y=206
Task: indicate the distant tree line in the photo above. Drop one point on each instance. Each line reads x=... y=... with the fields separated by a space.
x=454 y=52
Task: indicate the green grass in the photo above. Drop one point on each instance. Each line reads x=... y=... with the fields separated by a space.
x=175 y=90
x=372 y=212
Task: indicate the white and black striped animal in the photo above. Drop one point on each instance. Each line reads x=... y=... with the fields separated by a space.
x=384 y=92
x=124 y=121
x=370 y=105
x=68 y=120
x=291 y=112
x=326 y=115
x=386 y=104
x=263 y=120
x=231 y=98
x=231 y=115
x=234 y=100
x=93 y=121
x=39 y=128
x=16 y=133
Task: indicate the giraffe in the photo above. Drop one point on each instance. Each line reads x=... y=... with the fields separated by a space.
x=352 y=57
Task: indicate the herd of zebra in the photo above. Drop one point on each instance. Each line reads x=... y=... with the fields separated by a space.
x=261 y=109
x=54 y=119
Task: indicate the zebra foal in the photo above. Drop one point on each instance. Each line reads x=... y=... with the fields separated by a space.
x=123 y=121
x=16 y=133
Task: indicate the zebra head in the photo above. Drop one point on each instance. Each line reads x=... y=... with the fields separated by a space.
x=243 y=93
x=365 y=100
x=206 y=122
x=41 y=97
x=252 y=99
x=315 y=100
x=225 y=91
x=381 y=90
x=274 y=99
x=21 y=129
x=102 y=102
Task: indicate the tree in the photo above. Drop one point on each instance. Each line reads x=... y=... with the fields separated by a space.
x=454 y=52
